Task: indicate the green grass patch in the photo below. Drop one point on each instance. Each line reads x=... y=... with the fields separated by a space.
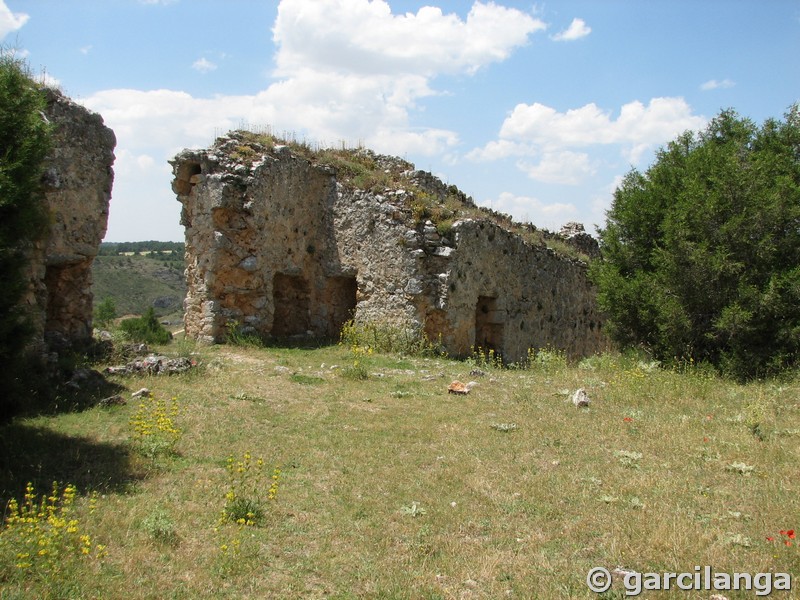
x=306 y=379
x=392 y=488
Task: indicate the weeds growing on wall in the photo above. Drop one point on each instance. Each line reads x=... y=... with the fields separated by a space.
x=388 y=338
x=237 y=335
x=363 y=170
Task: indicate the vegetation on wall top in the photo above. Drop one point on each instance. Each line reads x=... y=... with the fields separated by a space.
x=362 y=169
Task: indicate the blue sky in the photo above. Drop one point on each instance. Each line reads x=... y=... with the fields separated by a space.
x=534 y=109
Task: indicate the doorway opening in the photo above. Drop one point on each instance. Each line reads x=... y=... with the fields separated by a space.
x=489 y=325
x=292 y=303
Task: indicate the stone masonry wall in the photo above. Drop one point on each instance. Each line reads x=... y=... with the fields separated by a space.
x=281 y=246
x=497 y=292
x=78 y=180
x=249 y=226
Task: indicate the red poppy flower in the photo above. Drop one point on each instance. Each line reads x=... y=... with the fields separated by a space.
x=628 y=419
x=770 y=538
x=790 y=534
x=788 y=543
x=705 y=440
x=782 y=532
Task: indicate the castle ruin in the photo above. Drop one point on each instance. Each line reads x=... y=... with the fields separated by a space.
x=286 y=242
x=77 y=182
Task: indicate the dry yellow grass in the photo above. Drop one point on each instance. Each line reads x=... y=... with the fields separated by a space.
x=391 y=488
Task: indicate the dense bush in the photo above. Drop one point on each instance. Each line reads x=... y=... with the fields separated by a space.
x=24 y=144
x=146 y=329
x=701 y=253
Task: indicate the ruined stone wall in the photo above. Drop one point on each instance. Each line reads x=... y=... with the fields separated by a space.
x=377 y=244
x=497 y=292
x=280 y=246
x=78 y=179
x=260 y=247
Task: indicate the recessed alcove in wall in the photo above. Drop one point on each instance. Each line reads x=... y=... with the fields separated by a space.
x=340 y=302
x=184 y=179
x=489 y=324
x=61 y=281
x=292 y=303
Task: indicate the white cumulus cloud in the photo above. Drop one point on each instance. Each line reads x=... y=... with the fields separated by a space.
x=346 y=70
x=540 y=131
x=9 y=21
x=563 y=167
x=364 y=38
x=576 y=30
x=533 y=210
x=203 y=65
x=714 y=84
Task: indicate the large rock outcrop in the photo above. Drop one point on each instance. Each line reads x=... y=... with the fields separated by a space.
x=284 y=242
x=78 y=179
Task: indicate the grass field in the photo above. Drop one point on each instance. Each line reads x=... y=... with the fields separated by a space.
x=388 y=487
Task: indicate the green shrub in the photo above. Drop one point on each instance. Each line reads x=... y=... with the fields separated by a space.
x=24 y=145
x=160 y=526
x=146 y=329
x=701 y=252
x=237 y=335
x=250 y=490
x=105 y=312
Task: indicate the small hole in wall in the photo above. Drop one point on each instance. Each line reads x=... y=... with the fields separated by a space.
x=452 y=287
x=183 y=183
x=522 y=326
x=311 y=249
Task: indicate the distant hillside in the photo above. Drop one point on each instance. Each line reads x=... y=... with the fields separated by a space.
x=151 y=246
x=136 y=281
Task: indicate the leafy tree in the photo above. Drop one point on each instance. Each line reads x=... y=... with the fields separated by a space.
x=105 y=311
x=24 y=144
x=701 y=253
x=146 y=329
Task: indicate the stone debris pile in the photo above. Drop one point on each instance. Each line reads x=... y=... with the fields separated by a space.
x=154 y=365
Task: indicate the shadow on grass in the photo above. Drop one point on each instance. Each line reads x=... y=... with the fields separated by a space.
x=300 y=342
x=41 y=456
